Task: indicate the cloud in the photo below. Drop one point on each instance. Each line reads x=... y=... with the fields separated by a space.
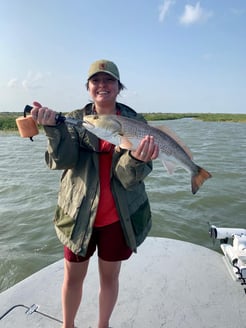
x=194 y=14
x=33 y=80
x=164 y=9
x=12 y=83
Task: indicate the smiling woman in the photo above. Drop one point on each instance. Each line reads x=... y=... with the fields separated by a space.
x=115 y=221
x=104 y=84
x=103 y=89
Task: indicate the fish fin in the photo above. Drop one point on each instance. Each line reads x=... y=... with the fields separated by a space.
x=174 y=136
x=167 y=163
x=125 y=143
x=198 y=179
x=170 y=166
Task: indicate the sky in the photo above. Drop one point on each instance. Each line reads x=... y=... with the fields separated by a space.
x=174 y=56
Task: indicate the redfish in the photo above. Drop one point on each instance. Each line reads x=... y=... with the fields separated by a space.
x=127 y=133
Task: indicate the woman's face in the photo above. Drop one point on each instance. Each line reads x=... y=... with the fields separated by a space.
x=103 y=89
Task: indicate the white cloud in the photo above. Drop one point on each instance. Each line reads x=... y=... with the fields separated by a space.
x=12 y=83
x=26 y=84
x=164 y=9
x=33 y=80
x=194 y=14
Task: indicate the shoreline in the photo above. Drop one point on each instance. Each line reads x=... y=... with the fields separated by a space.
x=7 y=119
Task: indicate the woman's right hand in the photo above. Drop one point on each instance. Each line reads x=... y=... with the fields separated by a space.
x=43 y=115
x=147 y=150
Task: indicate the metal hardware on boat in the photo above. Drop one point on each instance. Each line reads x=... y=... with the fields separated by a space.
x=31 y=309
x=12 y=308
x=235 y=253
x=223 y=233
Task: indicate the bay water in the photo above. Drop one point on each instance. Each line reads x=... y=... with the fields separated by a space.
x=28 y=195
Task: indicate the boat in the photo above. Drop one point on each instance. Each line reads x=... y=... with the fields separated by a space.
x=168 y=283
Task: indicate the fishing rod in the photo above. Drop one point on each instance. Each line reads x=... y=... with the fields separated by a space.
x=28 y=128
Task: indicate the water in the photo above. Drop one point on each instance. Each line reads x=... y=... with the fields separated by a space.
x=28 y=193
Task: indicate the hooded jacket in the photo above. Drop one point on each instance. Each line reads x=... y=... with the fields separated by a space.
x=75 y=151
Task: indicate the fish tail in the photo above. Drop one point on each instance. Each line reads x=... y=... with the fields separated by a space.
x=198 y=179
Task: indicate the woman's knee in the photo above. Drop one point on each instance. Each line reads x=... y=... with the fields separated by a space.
x=74 y=273
x=109 y=272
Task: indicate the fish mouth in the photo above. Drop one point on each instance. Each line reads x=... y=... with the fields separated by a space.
x=88 y=124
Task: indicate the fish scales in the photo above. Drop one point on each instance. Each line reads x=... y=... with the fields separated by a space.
x=164 y=141
x=127 y=133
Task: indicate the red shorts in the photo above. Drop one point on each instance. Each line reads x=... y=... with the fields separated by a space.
x=110 y=243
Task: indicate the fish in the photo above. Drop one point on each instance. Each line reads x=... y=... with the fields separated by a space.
x=128 y=132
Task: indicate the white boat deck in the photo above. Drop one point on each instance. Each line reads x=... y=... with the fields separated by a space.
x=168 y=283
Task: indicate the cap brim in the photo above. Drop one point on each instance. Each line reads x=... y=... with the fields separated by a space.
x=107 y=72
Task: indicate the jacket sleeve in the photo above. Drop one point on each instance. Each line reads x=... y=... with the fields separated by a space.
x=65 y=143
x=130 y=171
x=63 y=147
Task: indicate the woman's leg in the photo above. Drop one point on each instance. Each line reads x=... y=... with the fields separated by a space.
x=109 y=287
x=74 y=275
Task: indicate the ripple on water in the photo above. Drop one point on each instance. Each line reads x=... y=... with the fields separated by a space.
x=28 y=192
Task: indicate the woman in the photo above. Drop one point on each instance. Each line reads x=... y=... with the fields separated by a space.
x=102 y=201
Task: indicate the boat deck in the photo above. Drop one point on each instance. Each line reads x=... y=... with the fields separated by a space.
x=168 y=283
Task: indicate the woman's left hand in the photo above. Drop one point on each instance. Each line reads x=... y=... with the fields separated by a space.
x=147 y=150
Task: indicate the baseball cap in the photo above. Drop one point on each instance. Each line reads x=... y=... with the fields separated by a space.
x=104 y=66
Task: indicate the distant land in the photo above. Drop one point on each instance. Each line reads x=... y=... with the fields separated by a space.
x=7 y=119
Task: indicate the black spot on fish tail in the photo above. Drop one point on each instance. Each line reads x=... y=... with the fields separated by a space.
x=198 y=179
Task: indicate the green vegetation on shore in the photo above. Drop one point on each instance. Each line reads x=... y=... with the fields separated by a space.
x=7 y=119
x=208 y=117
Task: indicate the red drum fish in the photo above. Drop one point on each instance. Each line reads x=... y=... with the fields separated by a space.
x=127 y=133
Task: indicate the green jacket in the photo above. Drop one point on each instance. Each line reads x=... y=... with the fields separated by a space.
x=75 y=150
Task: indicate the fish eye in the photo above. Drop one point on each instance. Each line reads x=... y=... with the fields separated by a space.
x=95 y=117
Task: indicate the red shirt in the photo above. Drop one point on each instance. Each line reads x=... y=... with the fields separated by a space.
x=106 y=211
